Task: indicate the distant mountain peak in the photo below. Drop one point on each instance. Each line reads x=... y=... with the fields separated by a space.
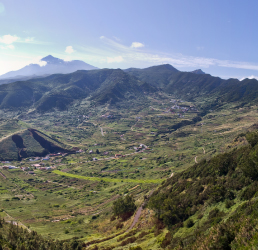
x=50 y=59
x=52 y=65
x=198 y=72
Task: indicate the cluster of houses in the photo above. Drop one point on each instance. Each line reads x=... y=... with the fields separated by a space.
x=42 y=167
x=8 y=167
x=141 y=147
x=47 y=157
x=36 y=166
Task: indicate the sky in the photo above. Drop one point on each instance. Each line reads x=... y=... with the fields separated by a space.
x=220 y=37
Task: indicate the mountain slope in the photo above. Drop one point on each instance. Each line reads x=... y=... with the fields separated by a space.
x=103 y=86
x=195 y=205
x=58 y=91
x=158 y=76
x=52 y=66
x=190 y=85
x=28 y=143
x=119 y=86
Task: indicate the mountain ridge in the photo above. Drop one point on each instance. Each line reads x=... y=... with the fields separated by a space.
x=52 y=65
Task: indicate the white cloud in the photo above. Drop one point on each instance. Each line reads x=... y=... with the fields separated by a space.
x=10 y=46
x=19 y=62
x=42 y=63
x=177 y=60
x=249 y=77
x=37 y=60
x=8 y=39
x=69 y=50
x=116 y=59
x=137 y=45
x=7 y=47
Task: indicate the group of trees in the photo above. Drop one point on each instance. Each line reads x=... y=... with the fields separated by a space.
x=13 y=237
x=221 y=179
x=124 y=207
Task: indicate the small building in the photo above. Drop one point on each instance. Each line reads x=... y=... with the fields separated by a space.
x=12 y=167
x=36 y=165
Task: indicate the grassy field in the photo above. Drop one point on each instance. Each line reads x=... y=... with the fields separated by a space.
x=106 y=179
x=75 y=199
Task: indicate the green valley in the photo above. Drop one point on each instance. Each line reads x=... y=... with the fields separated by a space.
x=72 y=145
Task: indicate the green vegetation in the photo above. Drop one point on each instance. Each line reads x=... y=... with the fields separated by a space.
x=220 y=183
x=28 y=143
x=124 y=207
x=188 y=161
x=14 y=237
x=106 y=179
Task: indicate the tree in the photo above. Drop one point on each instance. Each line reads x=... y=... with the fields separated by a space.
x=124 y=207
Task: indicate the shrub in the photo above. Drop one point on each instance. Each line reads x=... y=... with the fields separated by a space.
x=189 y=223
x=252 y=138
x=124 y=207
x=229 y=203
x=119 y=225
x=213 y=213
x=135 y=248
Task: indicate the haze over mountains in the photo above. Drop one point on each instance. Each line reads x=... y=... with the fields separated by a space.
x=49 y=65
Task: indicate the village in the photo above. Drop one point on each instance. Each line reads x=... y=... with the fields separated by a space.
x=40 y=162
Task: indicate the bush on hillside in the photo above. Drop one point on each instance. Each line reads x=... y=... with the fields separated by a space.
x=124 y=207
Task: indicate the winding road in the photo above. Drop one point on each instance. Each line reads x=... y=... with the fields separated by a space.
x=139 y=211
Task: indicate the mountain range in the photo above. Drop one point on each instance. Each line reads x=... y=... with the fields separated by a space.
x=49 y=65
x=109 y=86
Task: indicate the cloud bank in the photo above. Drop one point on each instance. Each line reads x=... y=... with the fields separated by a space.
x=128 y=54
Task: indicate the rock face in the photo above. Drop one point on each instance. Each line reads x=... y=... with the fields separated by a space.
x=47 y=66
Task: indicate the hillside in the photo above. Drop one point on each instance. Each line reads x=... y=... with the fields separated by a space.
x=133 y=136
x=14 y=237
x=28 y=143
x=58 y=91
x=202 y=205
x=113 y=86
x=158 y=76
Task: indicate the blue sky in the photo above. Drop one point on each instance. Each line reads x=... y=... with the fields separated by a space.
x=217 y=36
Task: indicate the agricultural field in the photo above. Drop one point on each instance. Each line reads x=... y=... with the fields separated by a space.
x=120 y=151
